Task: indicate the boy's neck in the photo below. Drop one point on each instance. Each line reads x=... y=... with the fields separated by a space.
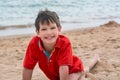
x=49 y=47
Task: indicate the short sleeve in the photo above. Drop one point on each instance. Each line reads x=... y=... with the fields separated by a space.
x=65 y=56
x=30 y=59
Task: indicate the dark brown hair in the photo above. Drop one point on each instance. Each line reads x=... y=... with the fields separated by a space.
x=45 y=17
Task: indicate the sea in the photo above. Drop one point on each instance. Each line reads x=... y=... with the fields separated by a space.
x=73 y=14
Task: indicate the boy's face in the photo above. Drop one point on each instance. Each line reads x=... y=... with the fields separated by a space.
x=48 y=33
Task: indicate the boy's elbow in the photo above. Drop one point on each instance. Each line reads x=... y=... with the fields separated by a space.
x=27 y=74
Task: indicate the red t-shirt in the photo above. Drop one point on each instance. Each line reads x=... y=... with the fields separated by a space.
x=62 y=55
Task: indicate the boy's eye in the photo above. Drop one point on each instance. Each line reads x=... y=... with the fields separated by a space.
x=53 y=28
x=43 y=29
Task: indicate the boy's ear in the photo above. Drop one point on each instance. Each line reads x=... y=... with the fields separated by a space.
x=59 y=28
x=37 y=33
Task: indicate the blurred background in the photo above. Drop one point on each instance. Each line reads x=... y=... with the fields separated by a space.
x=18 y=16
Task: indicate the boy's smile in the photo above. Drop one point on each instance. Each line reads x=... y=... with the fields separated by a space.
x=50 y=37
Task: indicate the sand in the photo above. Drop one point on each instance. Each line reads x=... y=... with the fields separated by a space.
x=103 y=39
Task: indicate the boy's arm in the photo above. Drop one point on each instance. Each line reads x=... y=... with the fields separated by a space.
x=27 y=74
x=64 y=72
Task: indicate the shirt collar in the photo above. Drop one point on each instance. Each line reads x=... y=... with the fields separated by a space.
x=40 y=44
x=57 y=45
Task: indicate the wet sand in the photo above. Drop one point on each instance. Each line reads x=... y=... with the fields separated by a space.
x=104 y=40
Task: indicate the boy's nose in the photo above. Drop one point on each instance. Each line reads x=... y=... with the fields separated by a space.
x=49 y=31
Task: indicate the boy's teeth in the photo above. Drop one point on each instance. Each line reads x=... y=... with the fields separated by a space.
x=49 y=37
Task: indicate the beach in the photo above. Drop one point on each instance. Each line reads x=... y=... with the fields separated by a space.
x=103 y=40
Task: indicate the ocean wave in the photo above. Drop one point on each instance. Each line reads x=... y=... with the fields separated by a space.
x=16 y=26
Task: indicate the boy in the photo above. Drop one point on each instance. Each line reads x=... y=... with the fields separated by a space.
x=52 y=51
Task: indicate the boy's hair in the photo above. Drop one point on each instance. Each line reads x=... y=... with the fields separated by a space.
x=45 y=17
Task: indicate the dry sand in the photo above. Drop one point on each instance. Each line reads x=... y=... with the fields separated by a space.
x=104 y=40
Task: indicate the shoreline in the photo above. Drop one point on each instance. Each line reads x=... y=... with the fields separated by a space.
x=30 y=28
x=26 y=27
x=103 y=40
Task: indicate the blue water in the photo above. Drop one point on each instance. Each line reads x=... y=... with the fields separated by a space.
x=73 y=13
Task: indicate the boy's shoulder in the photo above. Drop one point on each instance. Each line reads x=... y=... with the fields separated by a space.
x=34 y=40
x=63 y=40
